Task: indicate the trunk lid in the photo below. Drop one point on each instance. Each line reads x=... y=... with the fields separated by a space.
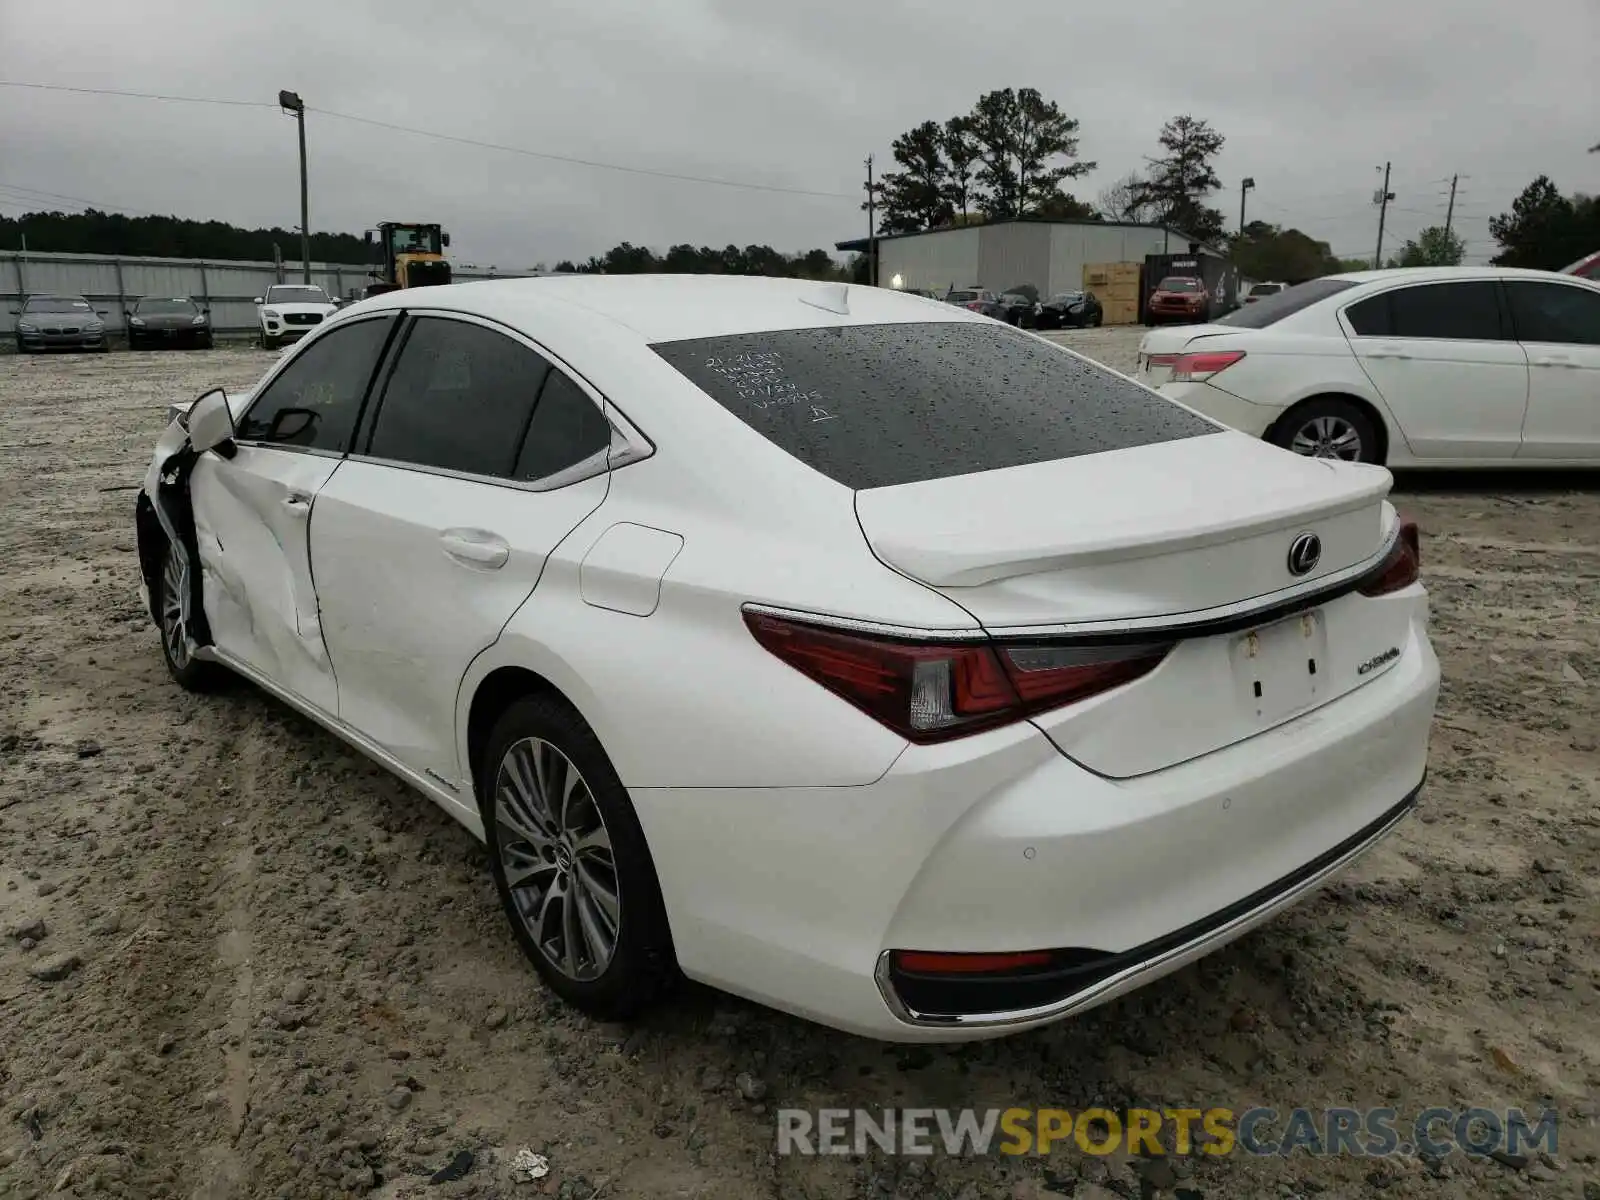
x=1199 y=529
x=1152 y=531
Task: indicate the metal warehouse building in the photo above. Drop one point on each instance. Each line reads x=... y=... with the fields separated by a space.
x=1048 y=254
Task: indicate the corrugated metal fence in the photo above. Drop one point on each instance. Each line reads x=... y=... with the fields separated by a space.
x=227 y=289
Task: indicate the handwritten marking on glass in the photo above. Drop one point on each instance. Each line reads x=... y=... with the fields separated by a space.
x=759 y=377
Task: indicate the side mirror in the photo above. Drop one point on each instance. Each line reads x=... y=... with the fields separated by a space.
x=16 y=312
x=257 y=300
x=446 y=239
x=211 y=422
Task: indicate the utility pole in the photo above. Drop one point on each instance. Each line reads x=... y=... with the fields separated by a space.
x=1245 y=185
x=1382 y=199
x=292 y=104
x=872 y=227
x=1450 y=212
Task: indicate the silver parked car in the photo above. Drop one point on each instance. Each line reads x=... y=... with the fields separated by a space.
x=59 y=323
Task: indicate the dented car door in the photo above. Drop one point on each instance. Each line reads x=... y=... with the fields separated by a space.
x=253 y=509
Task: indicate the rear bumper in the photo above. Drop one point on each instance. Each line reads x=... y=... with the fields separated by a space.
x=1231 y=410
x=999 y=843
x=1092 y=982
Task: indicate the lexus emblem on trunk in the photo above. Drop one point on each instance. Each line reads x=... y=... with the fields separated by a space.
x=1305 y=552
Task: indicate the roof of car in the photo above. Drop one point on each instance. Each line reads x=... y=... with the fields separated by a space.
x=1443 y=274
x=672 y=307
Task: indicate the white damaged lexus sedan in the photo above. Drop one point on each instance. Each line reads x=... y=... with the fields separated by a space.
x=831 y=646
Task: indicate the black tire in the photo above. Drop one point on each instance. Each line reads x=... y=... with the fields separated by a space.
x=191 y=674
x=207 y=342
x=1098 y=317
x=1324 y=422
x=268 y=343
x=642 y=966
x=135 y=343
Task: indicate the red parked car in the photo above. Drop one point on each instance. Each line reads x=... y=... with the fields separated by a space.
x=1179 y=298
x=1587 y=267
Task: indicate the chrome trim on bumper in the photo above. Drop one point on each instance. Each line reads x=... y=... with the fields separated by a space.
x=857 y=625
x=1083 y=999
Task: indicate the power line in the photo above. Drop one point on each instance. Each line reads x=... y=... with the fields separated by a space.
x=85 y=91
x=582 y=162
x=79 y=200
x=571 y=160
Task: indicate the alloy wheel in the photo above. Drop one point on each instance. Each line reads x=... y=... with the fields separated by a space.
x=1327 y=437
x=174 y=579
x=555 y=851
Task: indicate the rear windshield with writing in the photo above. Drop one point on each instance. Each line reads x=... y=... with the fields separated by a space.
x=879 y=405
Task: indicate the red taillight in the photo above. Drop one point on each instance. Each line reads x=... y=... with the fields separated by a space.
x=933 y=691
x=1402 y=566
x=976 y=306
x=927 y=963
x=1197 y=368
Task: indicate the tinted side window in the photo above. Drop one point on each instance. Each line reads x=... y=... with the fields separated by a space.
x=566 y=429
x=1371 y=317
x=315 y=400
x=1555 y=312
x=1460 y=311
x=879 y=405
x=459 y=398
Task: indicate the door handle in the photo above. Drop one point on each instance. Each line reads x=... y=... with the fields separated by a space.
x=1388 y=353
x=1554 y=361
x=475 y=548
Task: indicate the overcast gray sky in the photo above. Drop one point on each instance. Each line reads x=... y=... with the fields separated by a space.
x=1311 y=96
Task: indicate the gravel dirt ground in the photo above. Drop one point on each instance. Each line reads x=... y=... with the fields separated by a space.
x=236 y=960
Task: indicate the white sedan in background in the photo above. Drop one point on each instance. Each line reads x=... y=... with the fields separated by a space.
x=1424 y=367
x=291 y=310
x=832 y=646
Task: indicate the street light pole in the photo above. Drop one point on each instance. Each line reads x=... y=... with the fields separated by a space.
x=292 y=104
x=1245 y=185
